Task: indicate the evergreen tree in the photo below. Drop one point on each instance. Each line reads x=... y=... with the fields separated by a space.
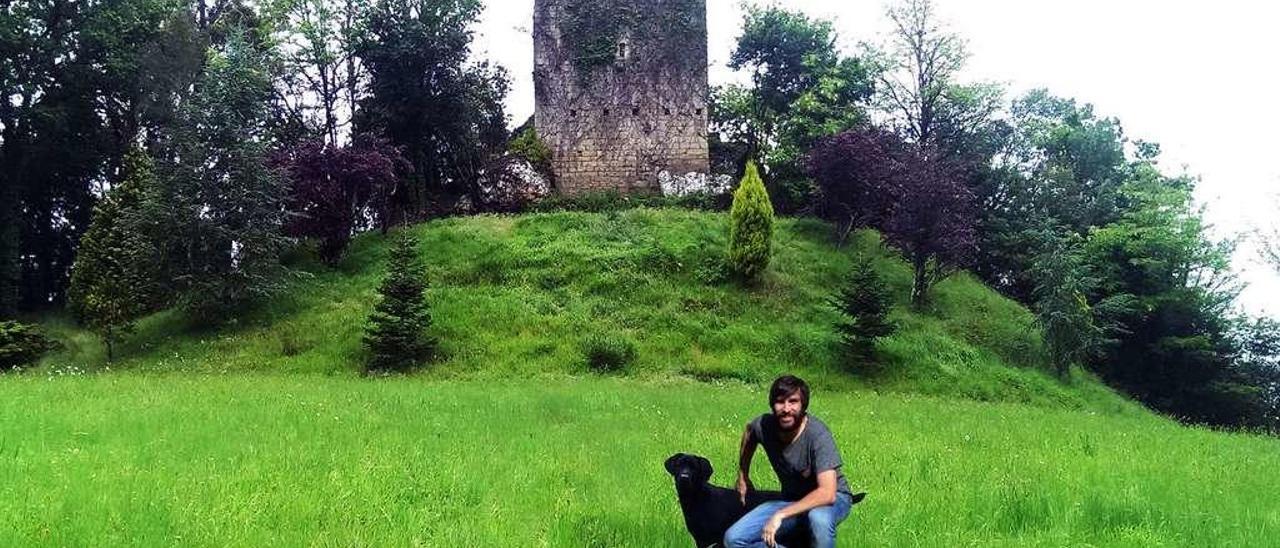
x=113 y=277
x=397 y=332
x=751 y=228
x=863 y=305
x=22 y=344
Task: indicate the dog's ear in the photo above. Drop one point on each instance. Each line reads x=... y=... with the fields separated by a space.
x=704 y=468
x=671 y=463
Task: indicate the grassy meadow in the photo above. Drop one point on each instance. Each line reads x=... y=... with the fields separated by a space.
x=276 y=460
x=262 y=432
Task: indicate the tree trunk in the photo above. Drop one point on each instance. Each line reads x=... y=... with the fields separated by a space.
x=108 y=337
x=919 y=285
x=845 y=230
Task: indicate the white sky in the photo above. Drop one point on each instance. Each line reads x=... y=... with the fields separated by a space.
x=1196 y=76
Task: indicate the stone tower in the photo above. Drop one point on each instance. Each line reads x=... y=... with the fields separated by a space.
x=620 y=90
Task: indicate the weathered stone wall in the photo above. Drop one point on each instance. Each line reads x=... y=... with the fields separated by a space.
x=616 y=121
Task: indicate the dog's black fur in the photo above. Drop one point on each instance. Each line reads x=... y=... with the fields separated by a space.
x=709 y=511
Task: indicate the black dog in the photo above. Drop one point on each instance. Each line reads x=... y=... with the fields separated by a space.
x=709 y=511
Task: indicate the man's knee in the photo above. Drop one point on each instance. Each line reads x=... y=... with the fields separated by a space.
x=822 y=522
x=739 y=537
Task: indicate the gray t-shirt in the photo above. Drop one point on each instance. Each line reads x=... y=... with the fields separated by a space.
x=799 y=463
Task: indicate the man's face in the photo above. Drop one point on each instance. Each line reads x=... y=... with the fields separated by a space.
x=788 y=410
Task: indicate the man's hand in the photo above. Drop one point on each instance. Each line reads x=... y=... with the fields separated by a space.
x=744 y=487
x=771 y=530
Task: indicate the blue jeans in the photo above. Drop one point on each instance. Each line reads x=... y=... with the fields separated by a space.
x=822 y=522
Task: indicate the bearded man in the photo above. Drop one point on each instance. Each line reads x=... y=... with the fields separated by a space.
x=804 y=456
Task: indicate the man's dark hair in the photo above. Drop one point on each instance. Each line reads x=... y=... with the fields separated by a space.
x=787 y=385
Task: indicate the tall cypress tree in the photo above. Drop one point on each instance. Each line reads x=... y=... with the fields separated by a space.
x=751 y=228
x=397 y=336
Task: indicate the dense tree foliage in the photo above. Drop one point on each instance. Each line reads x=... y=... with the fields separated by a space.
x=802 y=89
x=1061 y=303
x=95 y=77
x=917 y=198
x=444 y=112
x=83 y=81
x=335 y=191
x=1176 y=349
x=223 y=204
x=22 y=344
x=931 y=220
x=856 y=173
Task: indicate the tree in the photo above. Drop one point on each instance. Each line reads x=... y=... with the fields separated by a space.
x=864 y=305
x=322 y=74
x=113 y=279
x=88 y=76
x=21 y=344
x=1061 y=306
x=751 y=227
x=1176 y=285
x=856 y=173
x=396 y=335
x=1059 y=165
x=50 y=82
x=802 y=89
x=931 y=220
x=1269 y=244
x=924 y=59
x=222 y=203
x=335 y=191
x=1257 y=369
x=442 y=111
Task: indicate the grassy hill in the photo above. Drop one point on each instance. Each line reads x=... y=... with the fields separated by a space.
x=516 y=296
x=263 y=433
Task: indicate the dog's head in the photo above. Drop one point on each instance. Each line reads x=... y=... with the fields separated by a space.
x=689 y=471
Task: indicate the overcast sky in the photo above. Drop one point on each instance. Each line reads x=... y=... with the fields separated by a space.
x=1198 y=77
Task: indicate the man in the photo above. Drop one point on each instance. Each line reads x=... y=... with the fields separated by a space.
x=804 y=456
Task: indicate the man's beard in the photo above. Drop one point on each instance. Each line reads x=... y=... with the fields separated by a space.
x=794 y=424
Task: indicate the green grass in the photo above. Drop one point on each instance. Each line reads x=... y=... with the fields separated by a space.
x=262 y=432
x=518 y=296
x=291 y=460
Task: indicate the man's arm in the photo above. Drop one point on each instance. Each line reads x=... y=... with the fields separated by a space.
x=745 y=453
x=824 y=494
